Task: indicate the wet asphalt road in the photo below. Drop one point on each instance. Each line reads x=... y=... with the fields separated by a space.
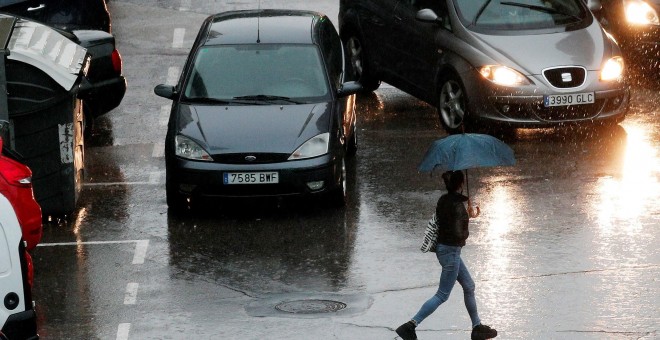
x=565 y=248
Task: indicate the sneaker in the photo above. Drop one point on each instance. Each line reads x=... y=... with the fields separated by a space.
x=482 y=332
x=407 y=331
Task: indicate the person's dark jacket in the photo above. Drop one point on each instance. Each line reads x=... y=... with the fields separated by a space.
x=452 y=219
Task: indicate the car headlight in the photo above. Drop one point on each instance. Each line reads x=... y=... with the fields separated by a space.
x=186 y=148
x=503 y=75
x=638 y=12
x=612 y=70
x=315 y=146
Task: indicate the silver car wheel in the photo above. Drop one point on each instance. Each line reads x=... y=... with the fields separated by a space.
x=452 y=104
x=355 y=53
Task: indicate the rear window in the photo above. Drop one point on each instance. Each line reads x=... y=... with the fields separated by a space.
x=520 y=15
x=226 y=72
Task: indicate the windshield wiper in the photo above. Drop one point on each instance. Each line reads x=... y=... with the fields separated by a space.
x=208 y=100
x=541 y=9
x=480 y=12
x=268 y=98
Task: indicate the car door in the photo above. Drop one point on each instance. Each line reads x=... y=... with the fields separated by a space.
x=32 y=9
x=418 y=52
x=376 y=25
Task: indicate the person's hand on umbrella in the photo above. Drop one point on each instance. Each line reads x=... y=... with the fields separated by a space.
x=473 y=209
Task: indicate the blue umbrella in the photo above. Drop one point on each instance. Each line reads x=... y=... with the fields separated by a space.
x=466 y=151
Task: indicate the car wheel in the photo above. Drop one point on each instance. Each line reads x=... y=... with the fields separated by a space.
x=338 y=195
x=452 y=104
x=359 y=67
x=351 y=148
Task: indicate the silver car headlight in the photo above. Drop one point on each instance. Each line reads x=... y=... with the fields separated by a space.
x=186 y=148
x=638 y=12
x=315 y=146
x=612 y=69
x=502 y=75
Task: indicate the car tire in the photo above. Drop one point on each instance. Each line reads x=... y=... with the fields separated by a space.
x=352 y=147
x=337 y=197
x=359 y=69
x=452 y=104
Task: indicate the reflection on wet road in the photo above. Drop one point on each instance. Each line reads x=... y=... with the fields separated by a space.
x=565 y=247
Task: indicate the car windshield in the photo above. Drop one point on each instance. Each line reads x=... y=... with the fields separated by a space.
x=259 y=73
x=519 y=14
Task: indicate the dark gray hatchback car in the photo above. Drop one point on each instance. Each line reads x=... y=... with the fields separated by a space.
x=525 y=63
x=261 y=109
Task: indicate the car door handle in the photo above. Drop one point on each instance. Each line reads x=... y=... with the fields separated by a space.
x=32 y=9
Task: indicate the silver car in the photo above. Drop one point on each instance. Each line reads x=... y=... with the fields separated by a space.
x=526 y=63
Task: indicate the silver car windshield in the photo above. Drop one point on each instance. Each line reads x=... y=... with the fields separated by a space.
x=519 y=14
x=257 y=72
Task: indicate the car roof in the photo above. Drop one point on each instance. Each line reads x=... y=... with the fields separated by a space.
x=268 y=26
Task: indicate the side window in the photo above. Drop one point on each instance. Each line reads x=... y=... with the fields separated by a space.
x=332 y=52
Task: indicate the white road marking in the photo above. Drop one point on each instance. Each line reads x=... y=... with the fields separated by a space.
x=89 y=243
x=131 y=293
x=164 y=115
x=123 y=330
x=172 y=75
x=140 y=247
x=109 y=184
x=140 y=251
x=159 y=150
x=177 y=40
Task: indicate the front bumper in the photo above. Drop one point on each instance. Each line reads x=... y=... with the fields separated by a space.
x=105 y=96
x=202 y=179
x=21 y=325
x=523 y=107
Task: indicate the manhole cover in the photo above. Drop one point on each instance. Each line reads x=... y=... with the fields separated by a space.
x=310 y=306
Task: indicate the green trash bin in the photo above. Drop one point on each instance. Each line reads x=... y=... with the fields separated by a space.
x=42 y=73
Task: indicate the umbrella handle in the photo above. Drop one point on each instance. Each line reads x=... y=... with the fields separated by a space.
x=473 y=212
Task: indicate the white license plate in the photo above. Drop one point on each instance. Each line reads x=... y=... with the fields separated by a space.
x=569 y=99
x=251 y=177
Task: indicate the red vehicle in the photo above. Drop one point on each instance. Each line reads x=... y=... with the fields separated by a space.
x=16 y=185
x=20 y=231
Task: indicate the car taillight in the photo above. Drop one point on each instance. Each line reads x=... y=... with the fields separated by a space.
x=15 y=173
x=116 y=61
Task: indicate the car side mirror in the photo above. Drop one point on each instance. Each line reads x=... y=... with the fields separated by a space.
x=428 y=16
x=348 y=88
x=594 y=5
x=165 y=91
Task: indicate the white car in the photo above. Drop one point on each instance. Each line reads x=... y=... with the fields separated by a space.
x=17 y=315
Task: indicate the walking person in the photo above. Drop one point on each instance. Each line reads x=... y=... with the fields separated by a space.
x=452 y=219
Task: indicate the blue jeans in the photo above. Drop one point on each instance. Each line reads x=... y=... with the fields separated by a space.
x=453 y=269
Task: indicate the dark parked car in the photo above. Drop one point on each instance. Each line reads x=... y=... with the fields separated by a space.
x=88 y=24
x=523 y=63
x=635 y=24
x=261 y=109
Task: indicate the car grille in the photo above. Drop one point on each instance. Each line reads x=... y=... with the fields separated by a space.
x=250 y=158
x=565 y=77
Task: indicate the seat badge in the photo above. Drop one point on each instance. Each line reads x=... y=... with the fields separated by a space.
x=566 y=77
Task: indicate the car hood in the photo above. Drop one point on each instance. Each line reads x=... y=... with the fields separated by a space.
x=258 y=129
x=531 y=54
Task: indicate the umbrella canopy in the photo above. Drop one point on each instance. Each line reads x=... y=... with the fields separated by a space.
x=466 y=151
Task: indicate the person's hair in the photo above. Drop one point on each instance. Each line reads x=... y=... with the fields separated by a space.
x=453 y=180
